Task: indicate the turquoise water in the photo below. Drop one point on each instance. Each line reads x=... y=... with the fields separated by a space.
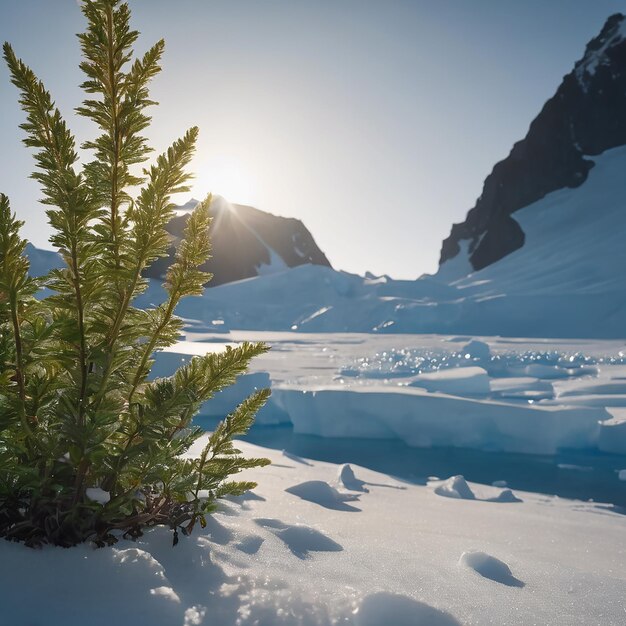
x=575 y=474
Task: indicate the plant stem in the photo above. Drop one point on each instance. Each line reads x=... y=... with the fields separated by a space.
x=116 y=138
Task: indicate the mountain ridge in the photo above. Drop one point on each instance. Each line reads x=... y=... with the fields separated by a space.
x=245 y=242
x=585 y=117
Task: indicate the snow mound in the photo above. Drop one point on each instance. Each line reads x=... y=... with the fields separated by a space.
x=300 y=539
x=458 y=381
x=320 y=492
x=455 y=487
x=95 y=494
x=349 y=480
x=490 y=567
x=506 y=495
x=390 y=608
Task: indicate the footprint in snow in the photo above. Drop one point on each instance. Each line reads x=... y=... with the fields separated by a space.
x=490 y=567
x=301 y=540
x=218 y=533
x=322 y=493
x=457 y=487
x=244 y=498
x=391 y=608
x=250 y=544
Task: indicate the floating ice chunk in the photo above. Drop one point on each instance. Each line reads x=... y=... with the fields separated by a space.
x=575 y=468
x=424 y=419
x=622 y=474
x=595 y=388
x=613 y=433
x=457 y=381
x=477 y=350
x=539 y=370
x=95 y=494
x=499 y=483
x=455 y=487
x=524 y=387
x=490 y=567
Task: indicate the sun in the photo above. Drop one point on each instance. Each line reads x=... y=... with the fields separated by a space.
x=225 y=175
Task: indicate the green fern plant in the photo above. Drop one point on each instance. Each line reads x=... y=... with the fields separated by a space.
x=90 y=448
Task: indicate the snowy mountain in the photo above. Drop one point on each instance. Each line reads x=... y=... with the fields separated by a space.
x=585 y=118
x=566 y=281
x=246 y=242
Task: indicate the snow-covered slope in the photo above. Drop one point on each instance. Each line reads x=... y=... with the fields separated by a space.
x=575 y=241
x=318 y=544
x=568 y=280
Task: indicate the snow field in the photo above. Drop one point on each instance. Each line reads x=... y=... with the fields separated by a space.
x=407 y=556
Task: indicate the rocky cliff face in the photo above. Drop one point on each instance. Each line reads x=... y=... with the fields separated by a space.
x=246 y=242
x=585 y=117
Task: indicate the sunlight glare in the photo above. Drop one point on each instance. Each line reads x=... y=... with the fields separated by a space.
x=227 y=176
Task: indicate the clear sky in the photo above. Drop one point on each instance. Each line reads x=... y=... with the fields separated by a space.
x=374 y=122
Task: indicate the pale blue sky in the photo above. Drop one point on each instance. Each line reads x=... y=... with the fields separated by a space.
x=375 y=122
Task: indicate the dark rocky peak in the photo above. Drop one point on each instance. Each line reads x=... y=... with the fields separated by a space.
x=585 y=117
x=600 y=50
x=245 y=242
x=189 y=206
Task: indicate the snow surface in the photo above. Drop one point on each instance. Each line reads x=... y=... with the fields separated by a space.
x=269 y=558
x=458 y=265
